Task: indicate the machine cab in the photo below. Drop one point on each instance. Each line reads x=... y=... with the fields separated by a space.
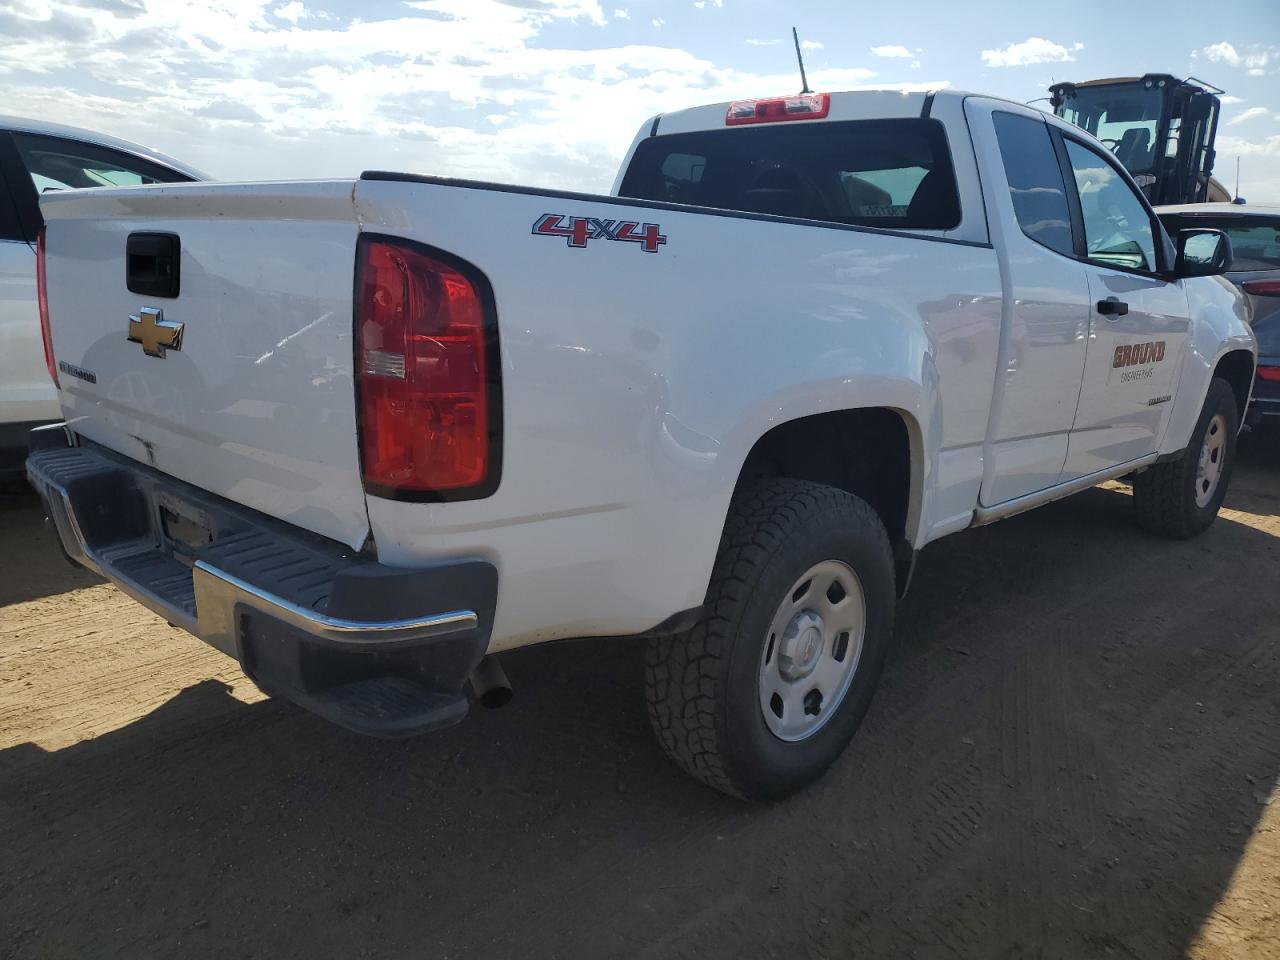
x=1160 y=128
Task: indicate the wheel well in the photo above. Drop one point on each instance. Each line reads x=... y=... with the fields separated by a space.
x=1237 y=369
x=864 y=452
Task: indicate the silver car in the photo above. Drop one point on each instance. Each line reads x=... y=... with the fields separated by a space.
x=36 y=157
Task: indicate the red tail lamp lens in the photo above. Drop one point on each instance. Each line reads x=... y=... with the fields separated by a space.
x=42 y=293
x=1262 y=288
x=425 y=368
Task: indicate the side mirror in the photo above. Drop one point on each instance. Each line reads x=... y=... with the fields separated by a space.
x=1202 y=252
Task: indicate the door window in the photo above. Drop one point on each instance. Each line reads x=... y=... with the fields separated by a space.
x=1035 y=181
x=1117 y=227
x=57 y=164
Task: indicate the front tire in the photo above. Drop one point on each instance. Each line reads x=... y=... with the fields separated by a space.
x=763 y=694
x=1181 y=498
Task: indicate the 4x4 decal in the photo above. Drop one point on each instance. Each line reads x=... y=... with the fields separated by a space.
x=577 y=231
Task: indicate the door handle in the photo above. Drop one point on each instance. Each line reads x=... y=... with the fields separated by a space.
x=1113 y=307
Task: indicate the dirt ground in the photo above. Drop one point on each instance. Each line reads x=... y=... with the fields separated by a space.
x=1074 y=754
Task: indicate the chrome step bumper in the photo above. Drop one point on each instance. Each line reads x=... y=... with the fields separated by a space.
x=306 y=617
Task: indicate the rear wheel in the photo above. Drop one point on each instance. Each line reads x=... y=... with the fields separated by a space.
x=763 y=694
x=1182 y=497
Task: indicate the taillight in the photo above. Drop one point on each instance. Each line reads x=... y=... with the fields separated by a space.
x=1262 y=288
x=428 y=373
x=1269 y=373
x=803 y=106
x=42 y=293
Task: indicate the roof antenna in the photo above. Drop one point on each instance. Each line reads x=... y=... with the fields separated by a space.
x=800 y=59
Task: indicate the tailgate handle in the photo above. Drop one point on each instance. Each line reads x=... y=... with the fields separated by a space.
x=152 y=264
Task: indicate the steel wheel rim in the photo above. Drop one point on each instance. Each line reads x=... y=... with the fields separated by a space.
x=1213 y=453
x=812 y=650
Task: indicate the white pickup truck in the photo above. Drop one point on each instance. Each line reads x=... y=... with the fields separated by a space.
x=365 y=435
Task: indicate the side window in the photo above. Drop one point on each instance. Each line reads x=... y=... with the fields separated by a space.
x=882 y=193
x=1117 y=228
x=1035 y=181
x=57 y=164
x=681 y=174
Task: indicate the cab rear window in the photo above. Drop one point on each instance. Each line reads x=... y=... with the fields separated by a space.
x=871 y=173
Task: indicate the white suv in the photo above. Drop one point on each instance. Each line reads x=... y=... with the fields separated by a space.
x=37 y=157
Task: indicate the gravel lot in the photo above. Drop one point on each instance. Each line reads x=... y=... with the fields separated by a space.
x=1074 y=753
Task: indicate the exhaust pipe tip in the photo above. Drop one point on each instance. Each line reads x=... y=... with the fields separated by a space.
x=490 y=685
x=497 y=697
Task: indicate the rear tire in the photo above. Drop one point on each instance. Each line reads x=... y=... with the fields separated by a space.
x=1182 y=497
x=708 y=691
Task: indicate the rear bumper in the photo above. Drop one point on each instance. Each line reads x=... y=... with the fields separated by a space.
x=381 y=650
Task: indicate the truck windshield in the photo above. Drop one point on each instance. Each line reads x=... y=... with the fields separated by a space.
x=1125 y=117
x=873 y=173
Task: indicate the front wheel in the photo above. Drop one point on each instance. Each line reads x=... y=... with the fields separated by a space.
x=1181 y=498
x=763 y=694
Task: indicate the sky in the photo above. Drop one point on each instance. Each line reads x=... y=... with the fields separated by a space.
x=551 y=92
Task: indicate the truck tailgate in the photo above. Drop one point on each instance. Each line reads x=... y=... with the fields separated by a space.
x=253 y=398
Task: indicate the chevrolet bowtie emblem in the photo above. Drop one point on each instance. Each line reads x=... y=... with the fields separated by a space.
x=154 y=332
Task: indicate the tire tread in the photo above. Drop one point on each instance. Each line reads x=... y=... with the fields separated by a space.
x=1163 y=494
x=683 y=675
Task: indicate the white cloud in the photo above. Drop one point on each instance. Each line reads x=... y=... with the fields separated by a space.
x=1221 y=53
x=702 y=3
x=470 y=88
x=292 y=11
x=1254 y=60
x=810 y=45
x=658 y=22
x=915 y=64
x=1259 y=161
x=1031 y=50
x=1228 y=99
x=1253 y=113
x=1270 y=147
x=891 y=50
x=621 y=14
x=762 y=43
